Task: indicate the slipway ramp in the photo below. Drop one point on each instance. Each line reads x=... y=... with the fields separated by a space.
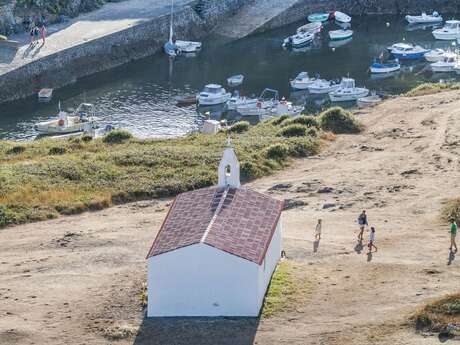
x=252 y=17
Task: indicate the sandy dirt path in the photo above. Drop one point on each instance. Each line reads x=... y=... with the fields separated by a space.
x=78 y=280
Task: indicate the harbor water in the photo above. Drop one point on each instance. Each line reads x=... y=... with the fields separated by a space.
x=140 y=96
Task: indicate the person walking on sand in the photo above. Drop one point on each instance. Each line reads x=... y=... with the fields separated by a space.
x=318 y=230
x=43 y=32
x=32 y=35
x=371 y=243
x=453 y=234
x=362 y=221
x=36 y=33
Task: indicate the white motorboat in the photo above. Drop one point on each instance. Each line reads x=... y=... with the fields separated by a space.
x=342 y=17
x=302 y=81
x=435 y=55
x=213 y=94
x=348 y=91
x=235 y=80
x=321 y=86
x=313 y=28
x=450 y=31
x=447 y=64
x=45 y=95
x=425 y=18
x=238 y=101
x=80 y=120
x=341 y=34
x=267 y=99
x=300 y=39
x=174 y=47
x=368 y=100
x=399 y=46
x=276 y=109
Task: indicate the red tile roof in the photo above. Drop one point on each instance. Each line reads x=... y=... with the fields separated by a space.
x=235 y=220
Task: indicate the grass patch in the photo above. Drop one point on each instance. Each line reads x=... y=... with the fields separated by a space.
x=339 y=121
x=440 y=315
x=431 y=88
x=286 y=289
x=46 y=178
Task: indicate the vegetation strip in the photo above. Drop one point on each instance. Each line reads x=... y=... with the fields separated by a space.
x=42 y=179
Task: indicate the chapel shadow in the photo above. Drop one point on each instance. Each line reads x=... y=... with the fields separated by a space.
x=451 y=257
x=197 y=330
x=316 y=246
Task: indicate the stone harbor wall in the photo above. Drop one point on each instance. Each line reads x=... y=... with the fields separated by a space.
x=66 y=66
x=302 y=8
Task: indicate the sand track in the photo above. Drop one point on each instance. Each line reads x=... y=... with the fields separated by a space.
x=77 y=280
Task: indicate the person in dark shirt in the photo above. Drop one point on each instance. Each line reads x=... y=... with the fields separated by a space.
x=362 y=221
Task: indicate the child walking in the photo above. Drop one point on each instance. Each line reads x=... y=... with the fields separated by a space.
x=453 y=234
x=372 y=240
x=318 y=230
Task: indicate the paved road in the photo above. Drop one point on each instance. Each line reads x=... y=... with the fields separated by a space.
x=111 y=18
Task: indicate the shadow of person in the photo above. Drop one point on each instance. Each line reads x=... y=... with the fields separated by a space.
x=359 y=247
x=369 y=256
x=316 y=246
x=451 y=257
x=36 y=51
x=197 y=330
x=26 y=52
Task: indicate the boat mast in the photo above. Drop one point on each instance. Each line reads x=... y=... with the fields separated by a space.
x=171 y=24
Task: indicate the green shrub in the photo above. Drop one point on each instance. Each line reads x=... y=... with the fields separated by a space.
x=279 y=120
x=16 y=150
x=303 y=147
x=293 y=131
x=277 y=152
x=306 y=120
x=339 y=121
x=57 y=151
x=451 y=209
x=250 y=170
x=117 y=136
x=431 y=88
x=86 y=138
x=239 y=127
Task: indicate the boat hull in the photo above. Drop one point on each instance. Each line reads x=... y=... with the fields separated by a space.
x=342 y=97
x=339 y=36
x=408 y=56
x=206 y=101
x=446 y=36
x=318 y=17
x=384 y=68
x=321 y=90
x=423 y=20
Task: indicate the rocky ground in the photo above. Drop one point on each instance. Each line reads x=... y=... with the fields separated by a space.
x=80 y=279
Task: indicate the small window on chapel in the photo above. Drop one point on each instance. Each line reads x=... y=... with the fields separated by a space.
x=228 y=170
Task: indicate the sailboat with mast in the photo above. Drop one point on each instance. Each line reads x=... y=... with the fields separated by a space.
x=175 y=47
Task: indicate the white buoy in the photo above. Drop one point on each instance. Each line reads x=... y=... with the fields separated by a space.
x=333 y=49
x=388 y=24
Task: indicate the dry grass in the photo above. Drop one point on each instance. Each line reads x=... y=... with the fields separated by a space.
x=451 y=209
x=440 y=315
x=431 y=88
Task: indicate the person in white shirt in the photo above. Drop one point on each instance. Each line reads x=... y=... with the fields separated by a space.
x=318 y=230
x=372 y=240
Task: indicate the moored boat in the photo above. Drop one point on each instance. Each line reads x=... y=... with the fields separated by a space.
x=435 y=55
x=45 y=95
x=319 y=17
x=235 y=80
x=213 y=94
x=341 y=34
x=321 y=86
x=348 y=91
x=424 y=18
x=300 y=39
x=368 y=100
x=384 y=67
x=450 y=31
x=313 y=28
x=341 y=17
x=237 y=101
x=302 y=81
x=409 y=52
x=447 y=64
x=80 y=120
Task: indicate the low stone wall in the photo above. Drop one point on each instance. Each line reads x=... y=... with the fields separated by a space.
x=360 y=7
x=65 y=67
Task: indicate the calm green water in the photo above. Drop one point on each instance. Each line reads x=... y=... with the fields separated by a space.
x=140 y=96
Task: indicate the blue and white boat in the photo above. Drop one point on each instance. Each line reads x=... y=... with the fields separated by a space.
x=318 y=17
x=409 y=52
x=341 y=34
x=384 y=67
